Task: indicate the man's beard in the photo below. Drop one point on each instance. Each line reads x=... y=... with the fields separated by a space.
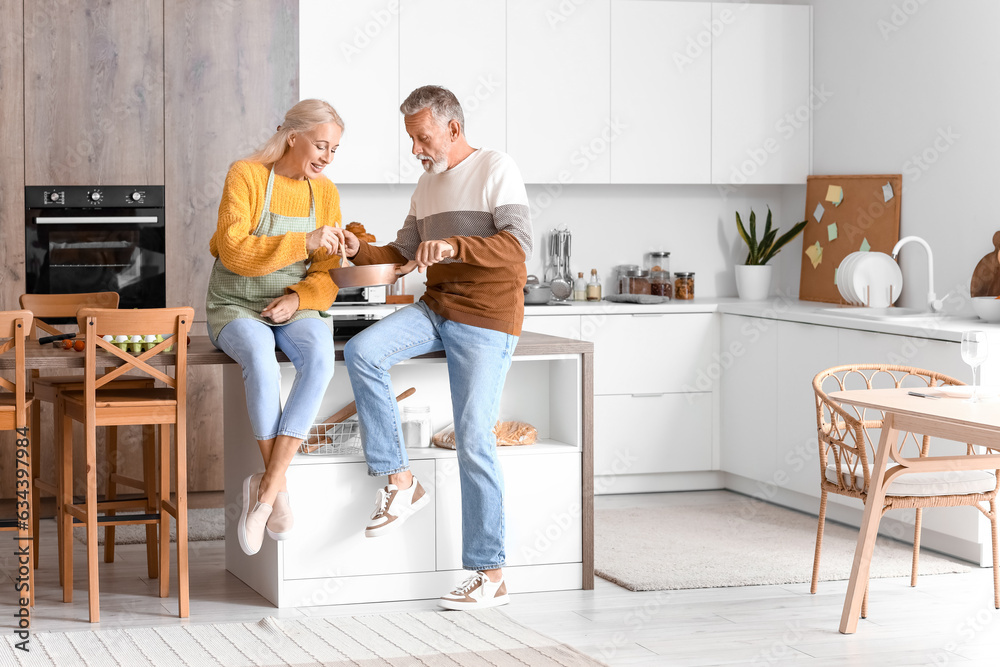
x=438 y=164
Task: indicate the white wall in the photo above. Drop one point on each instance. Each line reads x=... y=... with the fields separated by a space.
x=905 y=74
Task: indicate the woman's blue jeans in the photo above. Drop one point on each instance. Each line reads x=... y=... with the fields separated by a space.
x=478 y=360
x=308 y=344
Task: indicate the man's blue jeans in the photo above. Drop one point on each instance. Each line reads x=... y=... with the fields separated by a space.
x=308 y=344
x=478 y=360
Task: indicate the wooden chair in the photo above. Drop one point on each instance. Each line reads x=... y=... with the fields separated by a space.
x=102 y=403
x=15 y=404
x=848 y=438
x=46 y=389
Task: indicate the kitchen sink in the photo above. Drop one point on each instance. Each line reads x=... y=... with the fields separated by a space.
x=885 y=314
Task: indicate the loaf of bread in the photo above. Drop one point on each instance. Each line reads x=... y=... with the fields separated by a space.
x=508 y=434
x=358 y=230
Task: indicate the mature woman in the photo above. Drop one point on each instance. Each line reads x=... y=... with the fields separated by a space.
x=274 y=244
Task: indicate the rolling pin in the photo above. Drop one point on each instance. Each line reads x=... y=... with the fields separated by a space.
x=345 y=413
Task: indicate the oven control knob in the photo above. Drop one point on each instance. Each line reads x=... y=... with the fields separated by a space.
x=136 y=196
x=53 y=196
x=95 y=195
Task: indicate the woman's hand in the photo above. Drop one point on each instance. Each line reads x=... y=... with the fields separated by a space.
x=348 y=240
x=432 y=252
x=281 y=309
x=322 y=237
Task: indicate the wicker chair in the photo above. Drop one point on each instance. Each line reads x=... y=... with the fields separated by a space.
x=848 y=437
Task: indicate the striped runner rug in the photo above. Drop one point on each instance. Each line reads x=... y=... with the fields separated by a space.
x=486 y=637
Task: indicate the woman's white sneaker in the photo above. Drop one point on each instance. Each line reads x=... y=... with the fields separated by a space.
x=393 y=506
x=250 y=529
x=476 y=592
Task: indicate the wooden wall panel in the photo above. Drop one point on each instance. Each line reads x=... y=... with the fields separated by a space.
x=231 y=72
x=11 y=187
x=94 y=92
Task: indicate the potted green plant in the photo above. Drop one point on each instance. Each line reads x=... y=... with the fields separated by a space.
x=753 y=278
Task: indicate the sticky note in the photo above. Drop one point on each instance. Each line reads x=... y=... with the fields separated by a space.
x=835 y=275
x=831 y=231
x=835 y=194
x=815 y=254
x=887 y=191
x=818 y=213
x=865 y=246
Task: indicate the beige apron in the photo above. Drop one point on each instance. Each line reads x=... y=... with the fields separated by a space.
x=232 y=296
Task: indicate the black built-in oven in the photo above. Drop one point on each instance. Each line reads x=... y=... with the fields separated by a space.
x=96 y=239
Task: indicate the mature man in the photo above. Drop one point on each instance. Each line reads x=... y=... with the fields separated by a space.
x=469 y=227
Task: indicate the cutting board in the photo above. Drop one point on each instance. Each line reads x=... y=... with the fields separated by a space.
x=986 y=277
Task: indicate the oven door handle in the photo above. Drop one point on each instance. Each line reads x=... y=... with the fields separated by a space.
x=96 y=219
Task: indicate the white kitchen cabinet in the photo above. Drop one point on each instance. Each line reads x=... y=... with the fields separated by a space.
x=541 y=528
x=761 y=99
x=559 y=128
x=803 y=351
x=446 y=43
x=349 y=56
x=658 y=433
x=651 y=353
x=661 y=92
x=747 y=360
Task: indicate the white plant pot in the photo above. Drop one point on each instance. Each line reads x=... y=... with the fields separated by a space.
x=753 y=283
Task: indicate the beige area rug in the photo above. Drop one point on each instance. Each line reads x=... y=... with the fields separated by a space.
x=204 y=525
x=749 y=543
x=486 y=637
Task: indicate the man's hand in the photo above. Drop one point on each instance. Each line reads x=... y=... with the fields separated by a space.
x=432 y=252
x=322 y=237
x=281 y=309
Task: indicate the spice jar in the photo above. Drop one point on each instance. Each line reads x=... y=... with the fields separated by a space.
x=684 y=286
x=636 y=281
x=659 y=283
x=658 y=260
x=620 y=281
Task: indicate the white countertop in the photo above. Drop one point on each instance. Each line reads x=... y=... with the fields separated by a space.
x=933 y=326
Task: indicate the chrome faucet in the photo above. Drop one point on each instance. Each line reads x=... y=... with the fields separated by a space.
x=933 y=302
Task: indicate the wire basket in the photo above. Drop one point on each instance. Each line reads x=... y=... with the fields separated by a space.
x=327 y=439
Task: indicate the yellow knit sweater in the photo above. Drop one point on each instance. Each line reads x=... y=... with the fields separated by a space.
x=247 y=255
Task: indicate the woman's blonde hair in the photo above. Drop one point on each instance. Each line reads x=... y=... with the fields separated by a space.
x=302 y=117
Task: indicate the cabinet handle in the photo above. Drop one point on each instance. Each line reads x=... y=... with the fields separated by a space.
x=662 y=393
x=649 y=314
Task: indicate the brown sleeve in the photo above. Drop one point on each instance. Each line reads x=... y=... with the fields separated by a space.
x=501 y=249
x=370 y=254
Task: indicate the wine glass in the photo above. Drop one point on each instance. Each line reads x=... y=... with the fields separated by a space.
x=974 y=354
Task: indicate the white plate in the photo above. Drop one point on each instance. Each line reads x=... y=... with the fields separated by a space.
x=965 y=391
x=876 y=279
x=844 y=277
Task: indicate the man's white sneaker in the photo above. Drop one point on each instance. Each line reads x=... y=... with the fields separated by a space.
x=476 y=592
x=393 y=506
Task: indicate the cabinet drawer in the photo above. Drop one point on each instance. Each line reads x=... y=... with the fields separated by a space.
x=642 y=354
x=332 y=504
x=652 y=434
x=542 y=502
x=566 y=326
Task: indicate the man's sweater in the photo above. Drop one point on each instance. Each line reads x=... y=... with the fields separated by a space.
x=480 y=207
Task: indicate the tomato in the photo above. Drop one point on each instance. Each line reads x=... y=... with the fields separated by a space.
x=67 y=344
x=79 y=345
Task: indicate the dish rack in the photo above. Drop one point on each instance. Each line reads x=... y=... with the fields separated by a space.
x=330 y=439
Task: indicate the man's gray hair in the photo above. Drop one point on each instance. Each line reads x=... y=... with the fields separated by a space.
x=442 y=102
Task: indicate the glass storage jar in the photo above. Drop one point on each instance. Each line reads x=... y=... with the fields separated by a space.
x=619 y=281
x=417 y=425
x=660 y=284
x=684 y=286
x=658 y=260
x=636 y=281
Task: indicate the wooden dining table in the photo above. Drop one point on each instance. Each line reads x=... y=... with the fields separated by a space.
x=953 y=419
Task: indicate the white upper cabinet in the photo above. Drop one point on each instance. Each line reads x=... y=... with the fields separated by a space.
x=349 y=56
x=661 y=92
x=558 y=90
x=447 y=43
x=761 y=64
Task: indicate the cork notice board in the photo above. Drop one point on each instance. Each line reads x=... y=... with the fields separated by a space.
x=867 y=217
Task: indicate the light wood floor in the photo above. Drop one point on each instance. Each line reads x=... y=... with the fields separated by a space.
x=947 y=619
